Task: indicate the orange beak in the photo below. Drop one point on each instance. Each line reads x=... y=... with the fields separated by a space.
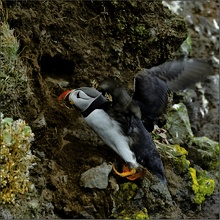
x=64 y=94
x=66 y=103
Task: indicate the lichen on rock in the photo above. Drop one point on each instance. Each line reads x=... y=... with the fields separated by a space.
x=178 y=124
x=202 y=185
x=125 y=205
x=141 y=214
x=80 y=41
x=127 y=191
x=204 y=152
x=176 y=155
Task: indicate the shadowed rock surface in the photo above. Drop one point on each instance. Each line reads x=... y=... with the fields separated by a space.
x=69 y=44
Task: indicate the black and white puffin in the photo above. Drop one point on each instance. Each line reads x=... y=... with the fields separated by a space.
x=121 y=123
x=127 y=136
x=152 y=86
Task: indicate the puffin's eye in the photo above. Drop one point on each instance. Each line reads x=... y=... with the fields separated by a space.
x=77 y=95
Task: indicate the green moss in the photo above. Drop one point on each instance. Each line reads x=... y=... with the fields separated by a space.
x=202 y=185
x=124 y=205
x=141 y=215
x=182 y=164
x=180 y=150
x=122 y=215
x=186 y=46
x=195 y=185
x=127 y=190
x=177 y=155
x=128 y=214
x=141 y=30
x=171 y=150
x=205 y=152
x=205 y=144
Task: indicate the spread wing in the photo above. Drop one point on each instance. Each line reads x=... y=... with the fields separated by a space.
x=152 y=86
x=180 y=74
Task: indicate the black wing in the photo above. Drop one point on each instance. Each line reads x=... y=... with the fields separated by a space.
x=121 y=99
x=145 y=150
x=181 y=74
x=152 y=86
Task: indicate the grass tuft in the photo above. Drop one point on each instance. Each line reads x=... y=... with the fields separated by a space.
x=14 y=83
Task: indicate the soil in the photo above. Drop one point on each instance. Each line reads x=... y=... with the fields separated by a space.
x=72 y=44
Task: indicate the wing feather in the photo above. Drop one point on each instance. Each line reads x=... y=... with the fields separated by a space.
x=153 y=85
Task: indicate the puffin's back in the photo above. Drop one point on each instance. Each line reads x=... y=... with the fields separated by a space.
x=145 y=150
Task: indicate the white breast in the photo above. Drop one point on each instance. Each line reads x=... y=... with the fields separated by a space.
x=110 y=132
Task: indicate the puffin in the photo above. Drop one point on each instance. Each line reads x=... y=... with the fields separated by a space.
x=153 y=86
x=122 y=130
x=125 y=123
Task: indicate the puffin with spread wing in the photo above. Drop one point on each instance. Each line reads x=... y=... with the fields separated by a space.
x=125 y=122
x=152 y=86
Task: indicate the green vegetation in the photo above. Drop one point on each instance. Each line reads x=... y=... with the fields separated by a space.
x=15 y=159
x=202 y=185
x=205 y=152
x=15 y=136
x=14 y=84
x=176 y=155
x=137 y=215
x=127 y=190
x=125 y=195
x=186 y=46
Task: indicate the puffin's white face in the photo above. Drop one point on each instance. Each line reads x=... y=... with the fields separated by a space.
x=83 y=97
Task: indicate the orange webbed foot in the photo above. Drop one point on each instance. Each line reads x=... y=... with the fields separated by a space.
x=129 y=174
x=126 y=172
x=135 y=176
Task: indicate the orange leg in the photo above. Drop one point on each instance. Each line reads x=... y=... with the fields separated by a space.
x=129 y=174
x=135 y=176
x=126 y=172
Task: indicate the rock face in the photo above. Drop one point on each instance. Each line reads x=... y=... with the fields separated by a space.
x=178 y=124
x=205 y=152
x=210 y=120
x=203 y=34
x=78 y=43
x=81 y=41
x=96 y=177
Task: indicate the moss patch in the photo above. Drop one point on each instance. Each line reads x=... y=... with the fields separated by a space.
x=177 y=155
x=205 y=152
x=202 y=185
x=143 y=214
x=127 y=190
x=180 y=150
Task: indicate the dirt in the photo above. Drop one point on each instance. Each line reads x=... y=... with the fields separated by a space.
x=76 y=43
